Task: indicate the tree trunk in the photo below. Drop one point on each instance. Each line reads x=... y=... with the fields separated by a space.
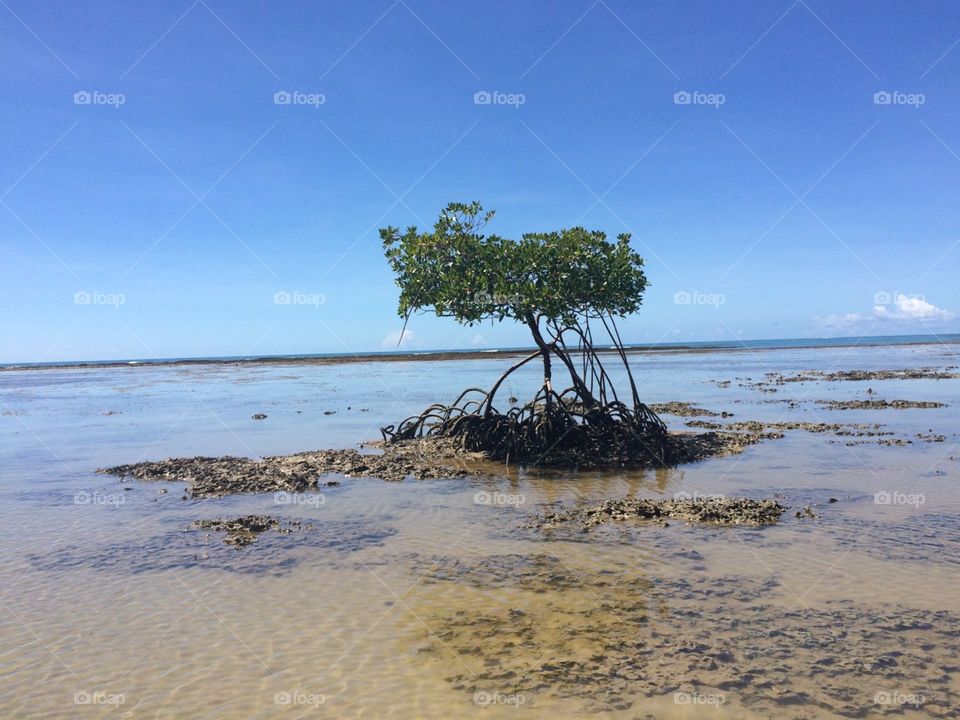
x=545 y=350
x=545 y=353
x=578 y=383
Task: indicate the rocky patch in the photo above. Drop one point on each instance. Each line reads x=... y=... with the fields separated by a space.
x=243 y=531
x=714 y=510
x=218 y=476
x=878 y=404
x=682 y=409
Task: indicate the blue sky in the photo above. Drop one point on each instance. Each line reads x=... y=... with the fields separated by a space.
x=159 y=199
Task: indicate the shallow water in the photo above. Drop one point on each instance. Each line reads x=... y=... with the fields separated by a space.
x=422 y=599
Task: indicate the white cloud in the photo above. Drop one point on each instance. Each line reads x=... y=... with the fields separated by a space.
x=478 y=340
x=905 y=307
x=907 y=311
x=398 y=338
x=849 y=321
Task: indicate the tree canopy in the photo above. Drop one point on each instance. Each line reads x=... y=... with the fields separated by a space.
x=559 y=276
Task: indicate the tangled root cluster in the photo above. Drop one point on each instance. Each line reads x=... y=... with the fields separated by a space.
x=551 y=430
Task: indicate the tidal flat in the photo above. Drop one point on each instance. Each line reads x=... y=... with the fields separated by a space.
x=477 y=592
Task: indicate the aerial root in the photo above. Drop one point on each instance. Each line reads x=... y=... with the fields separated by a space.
x=553 y=429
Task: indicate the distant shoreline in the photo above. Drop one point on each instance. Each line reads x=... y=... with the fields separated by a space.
x=448 y=355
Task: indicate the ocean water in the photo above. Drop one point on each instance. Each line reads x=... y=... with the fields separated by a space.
x=760 y=344
x=430 y=599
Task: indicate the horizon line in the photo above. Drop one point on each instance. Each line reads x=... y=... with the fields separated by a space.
x=399 y=354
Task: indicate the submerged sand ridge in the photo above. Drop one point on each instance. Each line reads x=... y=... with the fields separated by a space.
x=608 y=640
